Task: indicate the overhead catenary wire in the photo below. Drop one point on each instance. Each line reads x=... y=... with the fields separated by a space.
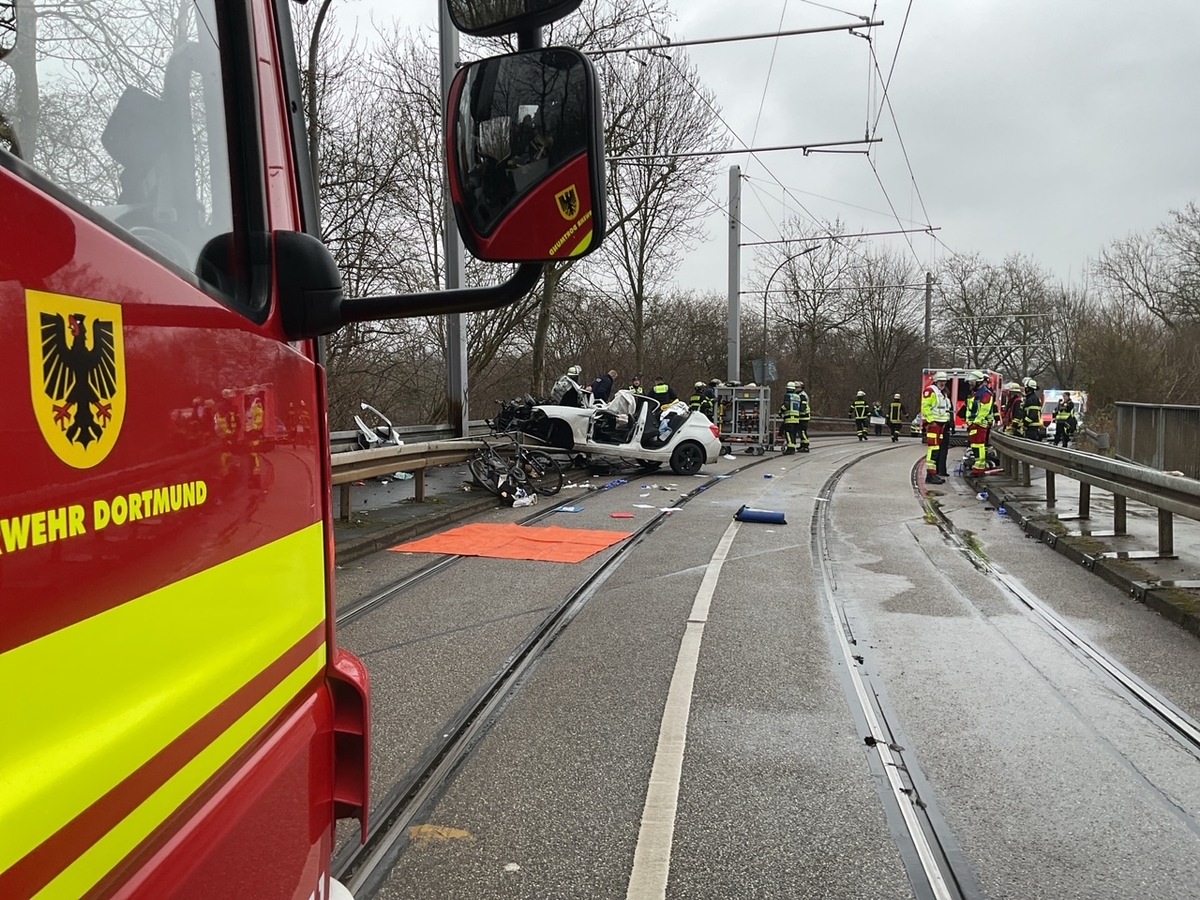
x=872 y=127
x=733 y=132
x=762 y=100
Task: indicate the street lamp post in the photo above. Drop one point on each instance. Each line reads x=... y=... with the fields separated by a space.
x=766 y=293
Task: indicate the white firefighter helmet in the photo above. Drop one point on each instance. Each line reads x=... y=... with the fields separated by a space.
x=1031 y=384
x=575 y=371
x=699 y=384
x=977 y=375
x=895 y=396
x=791 y=385
x=861 y=394
x=940 y=376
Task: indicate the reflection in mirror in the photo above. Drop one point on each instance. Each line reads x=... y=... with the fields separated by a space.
x=121 y=106
x=526 y=145
x=493 y=17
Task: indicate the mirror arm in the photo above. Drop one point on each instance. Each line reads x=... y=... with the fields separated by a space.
x=440 y=303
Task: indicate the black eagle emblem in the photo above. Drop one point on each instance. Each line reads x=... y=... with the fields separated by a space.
x=81 y=380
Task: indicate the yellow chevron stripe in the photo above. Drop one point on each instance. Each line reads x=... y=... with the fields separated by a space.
x=105 y=695
x=81 y=876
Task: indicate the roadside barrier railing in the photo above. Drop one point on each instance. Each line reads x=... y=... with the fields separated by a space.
x=1170 y=495
x=358 y=465
x=1159 y=435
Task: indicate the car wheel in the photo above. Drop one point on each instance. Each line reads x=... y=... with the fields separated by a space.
x=687 y=458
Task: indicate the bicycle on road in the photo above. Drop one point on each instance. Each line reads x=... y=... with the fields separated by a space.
x=518 y=466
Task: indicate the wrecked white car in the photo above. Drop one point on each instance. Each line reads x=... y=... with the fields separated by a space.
x=630 y=427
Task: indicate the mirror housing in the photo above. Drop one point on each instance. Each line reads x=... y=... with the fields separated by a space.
x=489 y=18
x=525 y=156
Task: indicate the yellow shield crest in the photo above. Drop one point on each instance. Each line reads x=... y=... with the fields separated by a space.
x=76 y=374
x=568 y=202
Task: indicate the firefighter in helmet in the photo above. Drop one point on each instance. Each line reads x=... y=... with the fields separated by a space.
x=935 y=412
x=981 y=410
x=858 y=412
x=1014 y=414
x=1031 y=408
x=789 y=413
x=805 y=415
x=896 y=416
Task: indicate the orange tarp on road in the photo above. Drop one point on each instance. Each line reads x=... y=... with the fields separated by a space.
x=552 y=544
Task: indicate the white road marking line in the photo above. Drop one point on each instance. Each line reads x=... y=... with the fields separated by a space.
x=652 y=858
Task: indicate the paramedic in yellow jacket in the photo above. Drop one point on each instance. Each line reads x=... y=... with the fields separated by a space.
x=981 y=411
x=935 y=412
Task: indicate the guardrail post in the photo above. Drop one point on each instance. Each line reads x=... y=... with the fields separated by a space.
x=1085 y=500
x=419 y=485
x=1050 y=498
x=1026 y=471
x=1166 y=534
x=1119 y=514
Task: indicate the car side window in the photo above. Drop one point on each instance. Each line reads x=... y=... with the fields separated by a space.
x=119 y=106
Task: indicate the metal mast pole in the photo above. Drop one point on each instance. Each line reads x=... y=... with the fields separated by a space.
x=928 y=320
x=457 y=409
x=734 y=364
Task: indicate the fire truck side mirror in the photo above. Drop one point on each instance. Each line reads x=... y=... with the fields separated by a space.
x=525 y=156
x=496 y=17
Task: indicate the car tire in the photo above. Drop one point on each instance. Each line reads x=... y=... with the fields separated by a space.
x=687 y=458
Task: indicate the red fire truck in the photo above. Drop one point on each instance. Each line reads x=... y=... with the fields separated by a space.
x=178 y=718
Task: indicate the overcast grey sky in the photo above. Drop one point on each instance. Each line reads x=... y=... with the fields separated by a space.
x=1042 y=127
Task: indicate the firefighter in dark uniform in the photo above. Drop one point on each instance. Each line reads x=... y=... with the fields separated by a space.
x=858 y=410
x=636 y=385
x=896 y=416
x=1032 y=407
x=805 y=415
x=662 y=391
x=789 y=411
x=1064 y=420
x=697 y=399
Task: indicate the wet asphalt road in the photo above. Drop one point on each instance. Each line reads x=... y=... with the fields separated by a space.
x=1050 y=783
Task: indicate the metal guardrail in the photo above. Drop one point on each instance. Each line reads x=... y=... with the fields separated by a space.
x=356 y=465
x=1169 y=494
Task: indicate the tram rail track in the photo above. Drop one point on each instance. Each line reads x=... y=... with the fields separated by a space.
x=925 y=842
x=1158 y=708
x=364 y=867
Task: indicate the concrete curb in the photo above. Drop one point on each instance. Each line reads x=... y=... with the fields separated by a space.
x=1157 y=599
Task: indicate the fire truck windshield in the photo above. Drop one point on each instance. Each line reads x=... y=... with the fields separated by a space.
x=119 y=106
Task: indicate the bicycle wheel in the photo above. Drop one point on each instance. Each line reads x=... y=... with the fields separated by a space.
x=542 y=471
x=483 y=470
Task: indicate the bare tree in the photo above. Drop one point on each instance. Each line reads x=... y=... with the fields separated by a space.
x=657 y=198
x=889 y=314
x=1161 y=271
x=809 y=293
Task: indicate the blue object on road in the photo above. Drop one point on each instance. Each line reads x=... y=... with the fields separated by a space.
x=770 y=516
